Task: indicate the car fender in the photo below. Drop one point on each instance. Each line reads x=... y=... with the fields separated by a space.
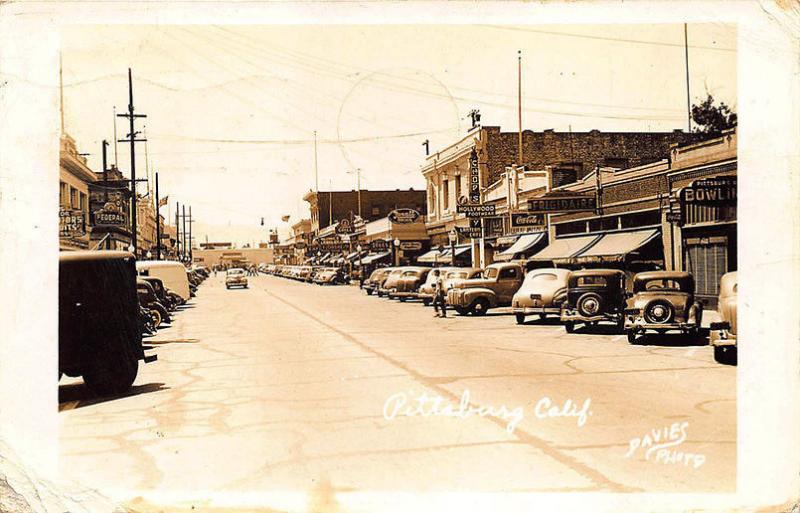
x=470 y=295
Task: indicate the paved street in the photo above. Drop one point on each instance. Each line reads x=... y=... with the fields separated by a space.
x=285 y=385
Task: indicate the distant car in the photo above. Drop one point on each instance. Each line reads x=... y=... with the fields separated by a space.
x=723 y=333
x=173 y=274
x=99 y=336
x=662 y=301
x=328 y=276
x=594 y=296
x=375 y=279
x=235 y=278
x=426 y=289
x=542 y=293
x=409 y=283
x=496 y=287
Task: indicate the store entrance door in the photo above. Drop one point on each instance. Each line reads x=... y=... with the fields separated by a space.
x=707 y=259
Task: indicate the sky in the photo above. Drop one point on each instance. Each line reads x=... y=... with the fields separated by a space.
x=232 y=111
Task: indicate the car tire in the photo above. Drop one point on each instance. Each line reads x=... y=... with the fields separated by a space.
x=569 y=326
x=402 y=299
x=155 y=315
x=479 y=307
x=725 y=355
x=115 y=373
x=631 y=336
x=426 y=302
x=520 y=318
x=461 y=310
x=369 y=292
x=542 y=316
x=590 y=304
x=669 y=310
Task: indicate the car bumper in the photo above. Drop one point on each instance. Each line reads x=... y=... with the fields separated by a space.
x=404 y=293
x=576 y=317
x=534 y=310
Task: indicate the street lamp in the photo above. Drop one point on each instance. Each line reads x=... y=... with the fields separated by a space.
x=396 y=246
x=452 y=236
x=149 y=255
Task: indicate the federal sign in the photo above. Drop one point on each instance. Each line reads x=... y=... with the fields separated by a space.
x=379 y=245
x=474 y=178
x=345 y=226
x=559 y=204
x=403 y=215
x=476 y=210
x=71 y=223
x=710 y=191
x=526 y=219
x=411 y=246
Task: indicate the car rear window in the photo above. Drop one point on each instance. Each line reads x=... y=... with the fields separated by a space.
x=541 y=277
x=591 y=281
x=663 y=285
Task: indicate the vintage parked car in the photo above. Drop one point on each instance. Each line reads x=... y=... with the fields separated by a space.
x=723 y=333
x=98 y=320
x=662 y=301
x=328 y=276
x=235 y=278
x=426 y=289
x=375 y=279
x=459 y=274
x=496 y=287
x=173 y=274
x=149 y=301
x=390 y=282
x=593 y=296
x=409 y=283
x=169 y=302
x=542 y=293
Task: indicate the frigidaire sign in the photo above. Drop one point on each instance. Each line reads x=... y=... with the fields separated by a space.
x=558 y=204
x=710 y=191
x=403 y=215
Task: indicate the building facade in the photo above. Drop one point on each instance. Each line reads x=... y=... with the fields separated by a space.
x=109 y=202
x=568 y=156
x=328 y=207
x=74 y=180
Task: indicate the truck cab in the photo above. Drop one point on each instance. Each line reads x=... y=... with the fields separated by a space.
x=496 y=287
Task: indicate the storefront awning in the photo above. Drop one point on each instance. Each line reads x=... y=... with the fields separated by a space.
x=523 y=243
x=324 y=257
x=614 y=246
x=369 y=259
x=431 y=257
x=460 y=250
x=565 y=248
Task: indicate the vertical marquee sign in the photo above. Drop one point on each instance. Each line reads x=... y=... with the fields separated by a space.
x=474 y=178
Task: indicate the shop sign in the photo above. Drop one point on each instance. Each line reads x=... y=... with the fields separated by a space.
x=710 y=191
x=474 y=178
x=476 y=210
x=379 y=245
x=526 y=219
x=332 y=247
x=109 y=212
x=71 y=223
x=473 y=231
x=674 y=217
x=403 y=215
x=559 y=204
x=345 y=226
x=411 y=246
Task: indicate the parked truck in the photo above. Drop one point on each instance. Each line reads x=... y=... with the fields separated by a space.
x=496 y=287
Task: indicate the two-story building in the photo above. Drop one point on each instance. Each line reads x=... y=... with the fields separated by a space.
x=74 y=179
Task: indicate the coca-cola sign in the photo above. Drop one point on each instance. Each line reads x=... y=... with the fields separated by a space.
x=525 y=219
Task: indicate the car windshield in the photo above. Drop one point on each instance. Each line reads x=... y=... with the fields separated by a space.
x=235 y=272
x=457 y=275
x=491 y=272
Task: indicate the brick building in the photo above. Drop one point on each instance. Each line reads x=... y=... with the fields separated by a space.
x=74 y=180
x=327 y=207
x=569 y=156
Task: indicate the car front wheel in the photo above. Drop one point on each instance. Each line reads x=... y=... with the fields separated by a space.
x=520 y=318
x=479 y=307
x=631 y=336
x=115 y=373
x=569 y=326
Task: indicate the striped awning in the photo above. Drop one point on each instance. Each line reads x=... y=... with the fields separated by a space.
x=524 y=243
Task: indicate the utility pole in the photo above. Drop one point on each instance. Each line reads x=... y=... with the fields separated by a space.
x=688 y=96
x=427 y=144
x=191 y=220
x=133 y=140
x=158 y=222
x=358 y=183
x=519 y=103
x=183 y=218
x=61 y=91
x=177 y=228
x=116 y=164
x=105 y=171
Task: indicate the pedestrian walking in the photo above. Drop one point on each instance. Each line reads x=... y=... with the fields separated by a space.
x=439 y=299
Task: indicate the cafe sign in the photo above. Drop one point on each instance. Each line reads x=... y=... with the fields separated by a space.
x=561 y=204
x=410 y=246
x=525 y=219
x=71 y=223
x=710 y=191
x=403 y=216
x=473 y=231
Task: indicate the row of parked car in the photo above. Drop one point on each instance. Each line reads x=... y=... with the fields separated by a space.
x=653 y=301
x=320 y=275
x=107 y=302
